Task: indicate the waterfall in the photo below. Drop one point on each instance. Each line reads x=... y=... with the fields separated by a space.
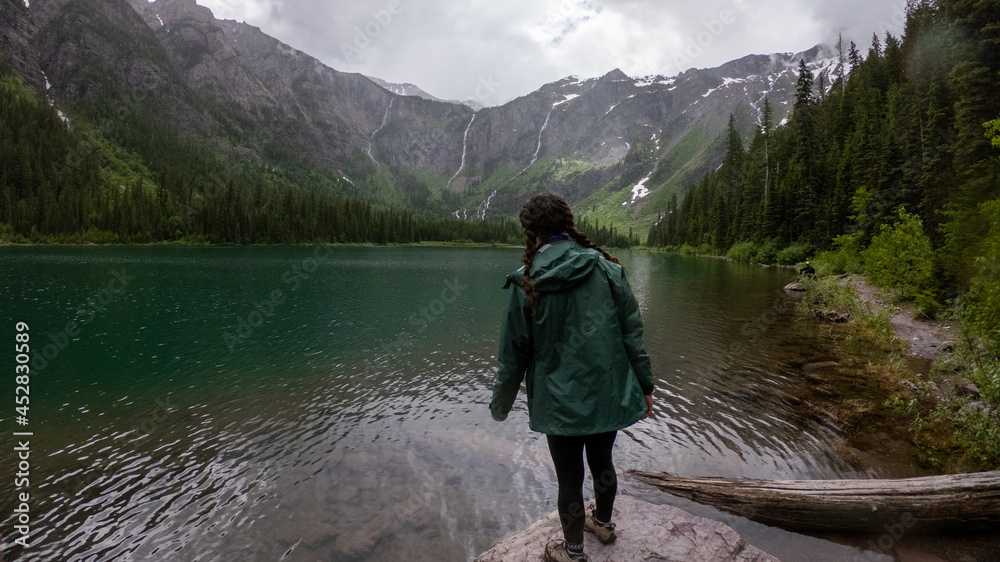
x=485 y=206
x=538 y=149
x=465 y=140
x=385 y=119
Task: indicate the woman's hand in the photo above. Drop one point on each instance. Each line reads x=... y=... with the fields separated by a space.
x=649 y=406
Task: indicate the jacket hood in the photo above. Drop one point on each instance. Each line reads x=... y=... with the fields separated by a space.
x=559 y=267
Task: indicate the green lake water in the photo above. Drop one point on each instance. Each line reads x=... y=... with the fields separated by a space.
x=308 y=403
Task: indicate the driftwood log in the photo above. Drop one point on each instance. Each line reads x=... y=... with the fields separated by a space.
x=959 y=502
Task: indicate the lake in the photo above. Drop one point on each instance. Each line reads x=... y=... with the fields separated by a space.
x=331 y=403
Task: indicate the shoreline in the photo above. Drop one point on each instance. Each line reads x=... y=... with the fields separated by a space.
x=924 y=338
x=900 y=383
x=764 y=265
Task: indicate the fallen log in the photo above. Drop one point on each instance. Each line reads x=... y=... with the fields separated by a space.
x=958 y=502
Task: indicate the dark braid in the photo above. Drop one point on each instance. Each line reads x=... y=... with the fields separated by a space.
x=543 y=216
x=530 y=249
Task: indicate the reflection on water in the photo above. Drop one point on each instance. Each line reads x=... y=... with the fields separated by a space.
x=196 y=417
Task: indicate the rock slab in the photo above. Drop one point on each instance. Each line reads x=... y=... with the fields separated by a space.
x=646 y=532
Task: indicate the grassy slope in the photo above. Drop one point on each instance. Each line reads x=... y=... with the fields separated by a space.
x=688 y=152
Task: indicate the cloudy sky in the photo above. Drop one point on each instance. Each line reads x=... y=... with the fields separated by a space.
x=492 y=51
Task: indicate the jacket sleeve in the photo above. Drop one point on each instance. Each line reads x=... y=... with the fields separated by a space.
x=514 y=355
x=631 y=322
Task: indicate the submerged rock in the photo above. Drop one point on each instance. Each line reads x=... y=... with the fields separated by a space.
x=645 y=531
x=822 y=365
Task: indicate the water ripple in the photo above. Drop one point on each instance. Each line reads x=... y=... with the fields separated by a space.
x=355 y=406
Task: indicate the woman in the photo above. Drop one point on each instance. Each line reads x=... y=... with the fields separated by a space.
x=573 y=332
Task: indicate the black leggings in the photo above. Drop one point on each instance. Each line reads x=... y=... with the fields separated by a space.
x=567 y=455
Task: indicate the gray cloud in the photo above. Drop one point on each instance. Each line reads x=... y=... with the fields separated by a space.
x=452 y=49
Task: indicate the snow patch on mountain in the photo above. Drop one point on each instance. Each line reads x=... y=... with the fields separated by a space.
x=639 y=191
x=825 y=67
x=651 y=80
x=569 y=97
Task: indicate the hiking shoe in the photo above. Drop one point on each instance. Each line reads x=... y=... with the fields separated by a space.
x=604 y=532
x=555 y=551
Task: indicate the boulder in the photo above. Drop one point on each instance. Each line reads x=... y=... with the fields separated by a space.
x=967 y=388
x=794 y=287
x=935 y=392
x=911 y=387
x=645 y=531
x=975 y=406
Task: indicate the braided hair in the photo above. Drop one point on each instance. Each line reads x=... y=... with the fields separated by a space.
x=544 y=216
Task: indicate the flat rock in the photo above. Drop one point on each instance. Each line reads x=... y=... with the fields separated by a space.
x=646 y=532
x=794 y=287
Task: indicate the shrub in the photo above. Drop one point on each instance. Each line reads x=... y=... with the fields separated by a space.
x=767 y=252
x=843 y=257
x=928 y=305
x=829 y=295
x=988 y=380
x=745 y=252
x=982 y=303
x=900 y=257
x=793 y=254
x=981 y=436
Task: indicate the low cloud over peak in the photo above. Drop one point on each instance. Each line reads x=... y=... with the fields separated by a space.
x=451 y=49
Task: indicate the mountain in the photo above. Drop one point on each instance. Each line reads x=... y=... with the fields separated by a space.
x=618 y=143
x=407 y=89
x=616 y=146
x=17 y=48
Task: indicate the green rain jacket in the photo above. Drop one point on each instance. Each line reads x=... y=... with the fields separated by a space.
x=581 y=356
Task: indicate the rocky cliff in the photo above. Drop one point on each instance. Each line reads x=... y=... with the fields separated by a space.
x=17 y=46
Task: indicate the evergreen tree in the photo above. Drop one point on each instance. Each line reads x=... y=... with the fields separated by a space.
x=804 y=86
x=854 y=56
x=902 y=134
x=840 y=71
x=766 y=123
